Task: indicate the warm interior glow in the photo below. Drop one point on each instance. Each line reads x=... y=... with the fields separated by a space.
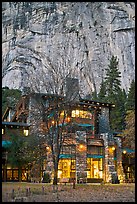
x=81 y=114
x=48 y=148
x=124 y=152
x=68 y=119
x=53 y=122
x=26 y=132
x=113 y=148
x=2 y=131
x=82 y=147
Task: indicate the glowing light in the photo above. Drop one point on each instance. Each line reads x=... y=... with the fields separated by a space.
x=68 y=119
x=2 y=131
x=124 y=152
x=82 y=147
x=53 y=122
x=77 y=112
x=113 y=148
x=26 y=132
x=48 y=149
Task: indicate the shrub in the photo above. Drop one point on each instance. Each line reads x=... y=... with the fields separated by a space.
x=46 y=178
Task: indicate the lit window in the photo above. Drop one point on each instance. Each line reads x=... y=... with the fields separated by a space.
x=26 y=132
x=2 y=131
x=62 y=113
x=76 y=113
x=81 y=114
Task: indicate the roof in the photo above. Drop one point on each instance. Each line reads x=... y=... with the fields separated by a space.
x=16 y=124
x=6 y=143
x=95 y=103
x=128 y=150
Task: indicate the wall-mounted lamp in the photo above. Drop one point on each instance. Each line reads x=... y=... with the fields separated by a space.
x=82 y=147
x=113 y=148
x=26 y=132
x=2 y=131
x=124 y=152
x=68 y=119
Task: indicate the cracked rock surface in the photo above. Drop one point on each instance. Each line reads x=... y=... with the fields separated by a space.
x=66 y=38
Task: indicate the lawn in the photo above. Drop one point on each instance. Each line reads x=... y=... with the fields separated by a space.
x=41 y=192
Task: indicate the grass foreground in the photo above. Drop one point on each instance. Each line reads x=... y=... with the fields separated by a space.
x=42 y=192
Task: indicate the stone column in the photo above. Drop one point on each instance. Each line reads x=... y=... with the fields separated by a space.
x=120 y=171
x=106 y=172
x=81 y=156
x=104 y=120
x=49 y=164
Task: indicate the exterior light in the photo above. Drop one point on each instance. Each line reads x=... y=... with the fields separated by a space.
x=77 y=112
x=48 y=149
x=26 y=132
x=113 y=148
x=2 y=131
x=124 y=152
x=68 y=119
x=53 y=122
x=82 y=147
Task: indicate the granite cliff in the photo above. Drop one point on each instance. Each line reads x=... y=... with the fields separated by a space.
x=42 y=39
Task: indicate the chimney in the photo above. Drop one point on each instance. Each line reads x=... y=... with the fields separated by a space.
x=72 y=89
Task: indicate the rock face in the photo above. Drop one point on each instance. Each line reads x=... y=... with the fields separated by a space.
x=44 y=41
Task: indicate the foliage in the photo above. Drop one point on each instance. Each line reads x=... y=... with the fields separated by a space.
x=117 y=115
x=110 y=91
x=112 y=80
x=46 y=178
x=17 y=154
x=129 y=132
x=24 y=151
x=54 y=125
x=10 y=97
x=102 y=92
x=130 y=104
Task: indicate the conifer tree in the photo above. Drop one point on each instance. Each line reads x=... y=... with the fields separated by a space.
x=130 y=104
x=115 y=95
x=102 y=91
x=112 y=81
x=118 y=114
x=129 y=132
x=10 y=97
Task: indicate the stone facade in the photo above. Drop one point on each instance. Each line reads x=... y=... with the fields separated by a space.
x=82 y=133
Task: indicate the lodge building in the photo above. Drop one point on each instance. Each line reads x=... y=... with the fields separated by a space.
x=91 y=151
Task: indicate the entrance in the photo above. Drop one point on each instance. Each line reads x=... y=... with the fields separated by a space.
x=66 y=168
x=94 y=168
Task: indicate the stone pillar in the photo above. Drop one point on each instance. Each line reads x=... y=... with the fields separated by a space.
x=104 y=120
x=81 y=156
x=49 y=164
x=106 y=172
x=120 y=171
x=72 y=89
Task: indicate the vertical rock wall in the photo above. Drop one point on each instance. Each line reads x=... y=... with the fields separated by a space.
x=76 y=39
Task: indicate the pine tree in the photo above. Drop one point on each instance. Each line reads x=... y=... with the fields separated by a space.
x=94 y=95
x=112 y=80
x=130 y=104
x=10 y=97
x=102 y=92
x=129 y=132
x=115 y=95
x=118 y=114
